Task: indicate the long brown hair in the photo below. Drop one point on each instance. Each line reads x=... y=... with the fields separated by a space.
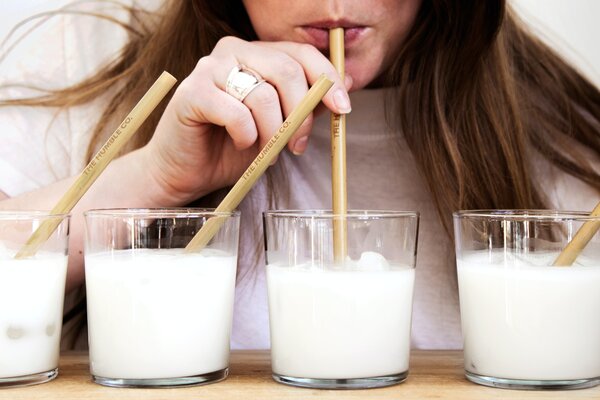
x=477 y=94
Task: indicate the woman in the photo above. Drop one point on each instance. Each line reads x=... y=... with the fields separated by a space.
x=454 y=106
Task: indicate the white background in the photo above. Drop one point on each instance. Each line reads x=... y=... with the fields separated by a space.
x=572 y=26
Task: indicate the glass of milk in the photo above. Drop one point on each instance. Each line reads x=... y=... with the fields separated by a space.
x=340 y=325
x=526 y=323
x=158 y=316
x=31 y=298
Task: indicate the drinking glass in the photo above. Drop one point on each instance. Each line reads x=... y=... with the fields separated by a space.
x=31 y=297
x=526 y=323
x=158 y=315
x=340 y=324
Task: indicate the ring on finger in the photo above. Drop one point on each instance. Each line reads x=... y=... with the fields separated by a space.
x=241 y=81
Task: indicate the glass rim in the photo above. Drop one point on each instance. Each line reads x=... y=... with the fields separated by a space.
x=328 y=214
x=521 y=214
x=22 y=215
x=161 y=212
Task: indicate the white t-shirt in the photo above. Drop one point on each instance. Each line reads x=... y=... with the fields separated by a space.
x=40 y=148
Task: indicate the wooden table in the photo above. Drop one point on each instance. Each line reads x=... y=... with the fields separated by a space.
x=433 y=375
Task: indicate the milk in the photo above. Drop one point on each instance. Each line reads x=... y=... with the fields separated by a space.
x=340 y=322
x=524 y=319
x=159 y=313
x=31 y=305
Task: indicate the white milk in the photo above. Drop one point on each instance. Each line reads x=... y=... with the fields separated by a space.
x=334 y=323
x=530 y=320
x=159 y=313
x=31 y=304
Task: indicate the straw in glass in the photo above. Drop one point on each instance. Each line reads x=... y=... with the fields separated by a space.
x=579 y=241
x=100 y=161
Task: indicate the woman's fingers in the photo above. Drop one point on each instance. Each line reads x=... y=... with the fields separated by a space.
x=314 y=63
x=264 y=104
x=289 y=68
x=285 y=83
x=203 y=102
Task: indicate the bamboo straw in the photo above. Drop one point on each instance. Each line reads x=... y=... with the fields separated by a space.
x=261 y=162
x=100 y=161
x=579 y=241
x=338 y=155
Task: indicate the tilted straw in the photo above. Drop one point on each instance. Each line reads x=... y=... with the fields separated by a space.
x=338 y=155
x=261 y=162
x=579 y=241
x=100 y=161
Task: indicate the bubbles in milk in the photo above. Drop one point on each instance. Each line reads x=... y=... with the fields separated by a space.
x=31 y=300
x=372 y=261
x=15 y=332
x=368 y=261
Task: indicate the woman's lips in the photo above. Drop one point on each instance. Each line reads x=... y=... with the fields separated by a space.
x=318 y=35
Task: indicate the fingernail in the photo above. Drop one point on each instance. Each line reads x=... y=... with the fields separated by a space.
x=273 y=162
x=348 y=82
x=342 y=101
x=300 y=145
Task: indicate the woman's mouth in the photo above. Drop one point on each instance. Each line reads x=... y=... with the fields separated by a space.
x=317 y=33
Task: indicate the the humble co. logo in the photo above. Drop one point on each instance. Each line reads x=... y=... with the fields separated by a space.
x=94 y=161
x=336 y=121
x=257 y=161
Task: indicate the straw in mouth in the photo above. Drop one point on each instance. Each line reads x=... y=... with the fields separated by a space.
x=338 y=154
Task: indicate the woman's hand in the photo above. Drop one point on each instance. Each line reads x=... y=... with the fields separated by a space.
x=206 y=138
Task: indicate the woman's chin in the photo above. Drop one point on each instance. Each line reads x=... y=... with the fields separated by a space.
x=361 y=79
